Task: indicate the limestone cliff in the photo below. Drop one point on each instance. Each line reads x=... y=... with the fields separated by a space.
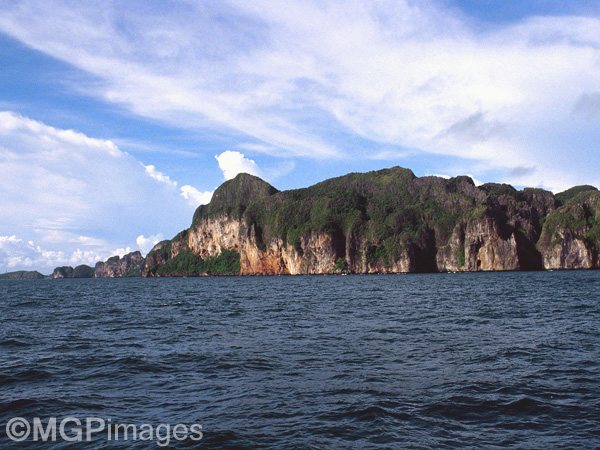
x=382 y=222
x=571 y=234
x=129 y=265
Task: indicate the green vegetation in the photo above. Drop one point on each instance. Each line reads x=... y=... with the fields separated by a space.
x=460 y=255
x=83 y=271
x=567 y=195
x=500 y=189
x=186 y=263
x=341 y=265
x=133 y=273
x=233 y=197
x=592 y=237
x=157 y=256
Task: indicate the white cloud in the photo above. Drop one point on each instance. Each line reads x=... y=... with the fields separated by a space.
x=122 y=251
x=233 y=163
x=89 y=241
x=8 y=240
x=79 y=197
x=194 y=196
x=159 y=176
x=145 y=244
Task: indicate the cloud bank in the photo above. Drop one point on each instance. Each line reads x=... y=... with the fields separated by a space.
x=66 y=198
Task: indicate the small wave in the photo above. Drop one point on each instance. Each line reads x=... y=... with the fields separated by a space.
x=14 y=343
x=136 y=364
x=24 y=376
x=515 y=352
x=29 y=303
x=467 y=408
x=44 y=406
x=365 y=414
x=227 y=440
x=260 y=364
x=520 y=405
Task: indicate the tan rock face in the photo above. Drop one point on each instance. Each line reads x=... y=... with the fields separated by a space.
x=483 y=246
x=568 y=253
x=486 y=250
x=213 y=235
x=486 y=244
x=62 y=272
x=316 y=253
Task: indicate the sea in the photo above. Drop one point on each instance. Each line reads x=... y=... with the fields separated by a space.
x=419 y=361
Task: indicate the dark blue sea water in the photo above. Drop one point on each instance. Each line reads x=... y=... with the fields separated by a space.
x=500 y=360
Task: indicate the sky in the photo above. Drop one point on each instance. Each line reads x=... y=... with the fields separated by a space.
x=118 y=118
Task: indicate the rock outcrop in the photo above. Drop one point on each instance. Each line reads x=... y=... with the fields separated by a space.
x=383 y=222
x=571 y=234
x=130 y=265
x=82 y=271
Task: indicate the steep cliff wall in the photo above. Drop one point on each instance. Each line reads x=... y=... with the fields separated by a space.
x=571 y=235
x=483 y=246
x=314 y=254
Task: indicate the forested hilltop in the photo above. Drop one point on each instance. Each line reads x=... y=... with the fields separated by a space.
x=383 y=222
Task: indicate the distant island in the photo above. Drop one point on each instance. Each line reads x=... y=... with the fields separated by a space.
x=386 y=221
x=22 y=275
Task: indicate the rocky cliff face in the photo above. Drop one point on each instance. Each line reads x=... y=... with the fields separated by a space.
x=314 y=254
x=130 y=265
x=484 y=248
x=383 y=222
x=571 y=234
x=568 y=252
x=387 y=221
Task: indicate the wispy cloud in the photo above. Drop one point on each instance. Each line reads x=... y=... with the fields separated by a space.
x=158 y=176
x=293 y=77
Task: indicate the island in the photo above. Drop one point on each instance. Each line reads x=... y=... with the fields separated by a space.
x=386 y=221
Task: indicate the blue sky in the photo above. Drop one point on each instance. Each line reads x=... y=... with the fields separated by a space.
x=118 y=118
